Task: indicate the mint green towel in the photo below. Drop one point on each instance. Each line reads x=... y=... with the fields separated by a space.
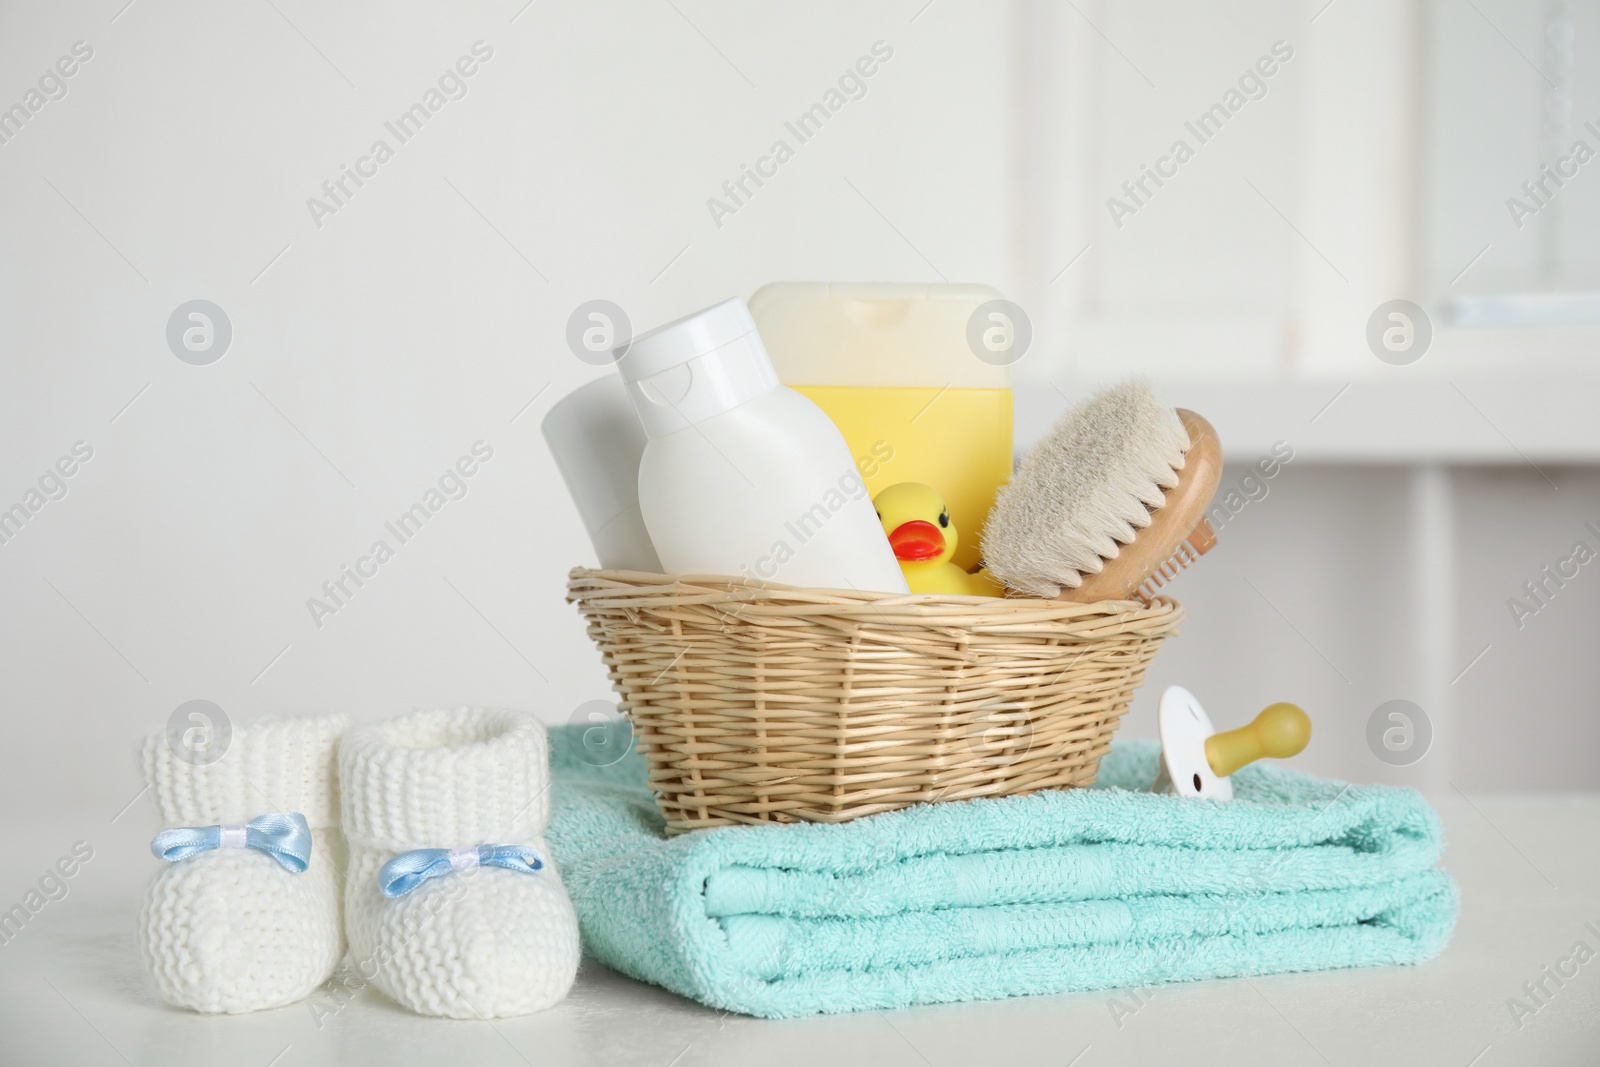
x=970 y=900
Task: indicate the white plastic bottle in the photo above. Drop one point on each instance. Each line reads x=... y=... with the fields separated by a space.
x=597 y=442
x=741 y=475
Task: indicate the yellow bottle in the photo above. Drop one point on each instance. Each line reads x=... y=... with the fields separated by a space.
x=891 y=365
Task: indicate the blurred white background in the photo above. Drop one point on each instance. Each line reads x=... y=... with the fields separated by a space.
x=373 y=346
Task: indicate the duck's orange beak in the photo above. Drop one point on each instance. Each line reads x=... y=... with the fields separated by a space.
x=916 y=540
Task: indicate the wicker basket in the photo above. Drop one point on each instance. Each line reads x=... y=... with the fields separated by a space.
x=757 y=703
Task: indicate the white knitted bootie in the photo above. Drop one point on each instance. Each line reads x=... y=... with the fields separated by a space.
x=448 y=928
x=231 y=924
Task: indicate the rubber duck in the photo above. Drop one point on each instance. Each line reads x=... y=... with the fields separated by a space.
x=915 y=518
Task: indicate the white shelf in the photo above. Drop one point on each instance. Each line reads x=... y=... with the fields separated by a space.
x=1534 y=418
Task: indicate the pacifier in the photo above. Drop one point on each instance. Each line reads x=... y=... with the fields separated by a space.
x=1196 y=761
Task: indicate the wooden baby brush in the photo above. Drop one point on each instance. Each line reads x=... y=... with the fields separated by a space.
x=1111 y=505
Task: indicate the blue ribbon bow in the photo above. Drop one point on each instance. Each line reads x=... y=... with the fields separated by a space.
x=410 y=869
x=282 y=835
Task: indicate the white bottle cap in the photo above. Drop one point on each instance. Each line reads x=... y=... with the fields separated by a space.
x=696 y=368
x=877 y=334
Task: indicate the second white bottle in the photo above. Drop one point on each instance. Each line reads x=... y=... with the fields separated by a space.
x=742 y=476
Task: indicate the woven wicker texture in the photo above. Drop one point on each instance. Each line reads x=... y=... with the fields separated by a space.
x=758 y=703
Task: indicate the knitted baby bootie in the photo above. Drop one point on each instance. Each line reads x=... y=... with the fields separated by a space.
x=247 y=913
x=453 y=907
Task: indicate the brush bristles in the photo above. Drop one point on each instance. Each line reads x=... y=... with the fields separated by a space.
x=1085 y=490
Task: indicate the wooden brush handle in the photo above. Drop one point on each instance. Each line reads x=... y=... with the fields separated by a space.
x=1180 y=518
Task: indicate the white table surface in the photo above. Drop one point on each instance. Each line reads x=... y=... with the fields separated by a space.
x=72 y=989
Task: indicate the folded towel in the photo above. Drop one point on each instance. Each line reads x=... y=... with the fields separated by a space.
x=1059 y=891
